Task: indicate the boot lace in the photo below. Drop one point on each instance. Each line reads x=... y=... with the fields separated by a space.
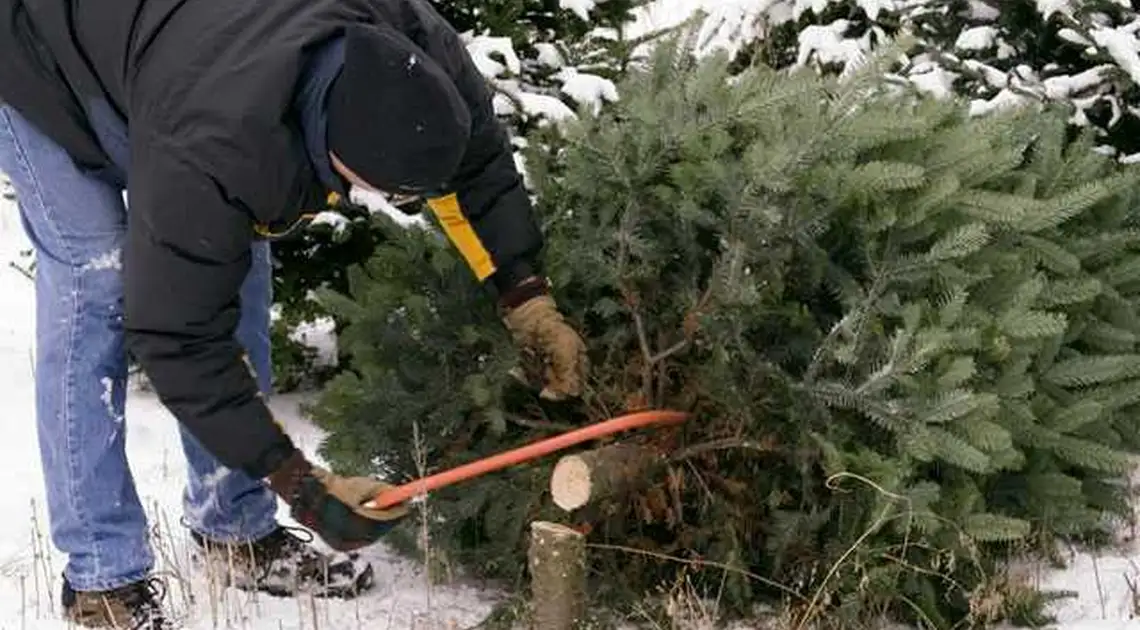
x=143 y=602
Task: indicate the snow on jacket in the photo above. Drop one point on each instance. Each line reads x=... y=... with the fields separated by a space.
x=216 y=148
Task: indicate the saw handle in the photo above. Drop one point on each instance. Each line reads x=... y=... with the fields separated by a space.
x=399 y=494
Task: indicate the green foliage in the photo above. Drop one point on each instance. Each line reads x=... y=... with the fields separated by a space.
x=310 y=261
x=293 y=362
x=896 y=335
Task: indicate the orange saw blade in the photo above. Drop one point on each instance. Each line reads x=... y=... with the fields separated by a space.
x=399 y=494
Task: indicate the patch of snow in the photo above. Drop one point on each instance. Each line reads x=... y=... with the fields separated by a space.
x=109 y=261
x=320 y=335
x=502 y=104
x=977 y=38
x=546 y=107
x=1072 y=36
x=215 y=478
x=1049 y=7
x=935 y=81
x=1064 y=86
x=874 y=7
x=377 y=203
x=803 y=6
x=549 y=55
x=108 y=398
x=1102 y=583
x=581 y=8
x=520 y=164
x=1004 y=100
x=605 y=33
x=992 y=76
x=1123 y=46
x=826 y=44
x=338 y=221
x=587 y=89
x=726 y=26
x=1026 y=73
x=983 y=11
x=482 y=49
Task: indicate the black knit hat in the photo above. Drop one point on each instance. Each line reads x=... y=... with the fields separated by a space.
x=394 y=116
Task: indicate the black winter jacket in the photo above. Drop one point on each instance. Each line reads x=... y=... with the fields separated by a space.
x=206 y=89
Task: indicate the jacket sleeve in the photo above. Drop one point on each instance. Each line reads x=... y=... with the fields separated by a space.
x=502 y=241
x=186 y=256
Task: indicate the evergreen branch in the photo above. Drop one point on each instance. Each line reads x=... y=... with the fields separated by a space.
x=668 y=352
x=625 y=226
x=1065 y=292
x=825 y=347
x=1033 y=324
x=1070 y=204
x=1116 y=396
x=992 y=207
x=1093 y=455
x=954 y=404
x=698 y=564
x=1100 y=247
x=1053 y=256
x=722 y=445
x=642 y=338
x=961 y=242
x=1088 y=370
x=1107 y=337
x=1122 y=273
x=989 y=527
x=540 y=425
x=985 y=435
x=961 y=370
x=839 y=396
x=853 y=319
x=954 y=450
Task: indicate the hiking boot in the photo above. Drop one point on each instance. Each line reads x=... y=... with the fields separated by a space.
x=284 y=564
x=135 y=606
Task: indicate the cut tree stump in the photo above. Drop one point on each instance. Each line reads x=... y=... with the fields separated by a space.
x=607 y=472
x=557 y=560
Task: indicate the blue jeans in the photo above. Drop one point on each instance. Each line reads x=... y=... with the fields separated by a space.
x=77 y=225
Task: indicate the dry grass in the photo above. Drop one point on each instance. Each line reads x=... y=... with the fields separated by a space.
x=197 y=594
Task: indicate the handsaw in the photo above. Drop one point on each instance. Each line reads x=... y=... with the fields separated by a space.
x=641 y=419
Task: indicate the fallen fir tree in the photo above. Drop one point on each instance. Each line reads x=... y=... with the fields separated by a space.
x=908 y=337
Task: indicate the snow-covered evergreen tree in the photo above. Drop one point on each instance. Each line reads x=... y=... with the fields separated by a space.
x=1083 y=53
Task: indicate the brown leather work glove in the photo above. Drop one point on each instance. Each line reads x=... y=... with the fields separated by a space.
x=333 y=506
x=541 y=331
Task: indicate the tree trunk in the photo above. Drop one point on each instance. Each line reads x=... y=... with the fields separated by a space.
x=607 y=472
x=557 y=562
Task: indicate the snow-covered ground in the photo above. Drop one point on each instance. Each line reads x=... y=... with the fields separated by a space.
x=1107 y=588
x=30 y=567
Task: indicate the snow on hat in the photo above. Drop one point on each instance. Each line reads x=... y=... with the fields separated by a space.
x=394 y=116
